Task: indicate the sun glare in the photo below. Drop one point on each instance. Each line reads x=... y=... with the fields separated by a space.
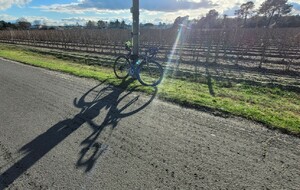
x=174 y=58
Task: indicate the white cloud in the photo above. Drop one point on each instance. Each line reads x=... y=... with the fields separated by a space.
x=295 y=12
x=78 y=20
x=108 y=10
x=5 y=4
x=8 y=18
x=165 y=10
x=43 y=20
x=74 y=9
x=229 y=4
x=82 y=6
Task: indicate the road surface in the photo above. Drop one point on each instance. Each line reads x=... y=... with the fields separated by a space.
x=63 y=132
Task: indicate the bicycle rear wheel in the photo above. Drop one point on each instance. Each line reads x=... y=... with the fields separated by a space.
x=150 y=73
x=121 y=67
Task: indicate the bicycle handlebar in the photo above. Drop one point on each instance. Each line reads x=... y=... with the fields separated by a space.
x=152 y=51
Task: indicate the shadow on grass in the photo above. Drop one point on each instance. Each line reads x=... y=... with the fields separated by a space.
x=108 y=101
x=209 y=82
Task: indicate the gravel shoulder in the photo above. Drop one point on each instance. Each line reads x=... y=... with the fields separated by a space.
x=60 y=131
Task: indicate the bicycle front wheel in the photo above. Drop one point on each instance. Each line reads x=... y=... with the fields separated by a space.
x=150 y=73
x=121 y=67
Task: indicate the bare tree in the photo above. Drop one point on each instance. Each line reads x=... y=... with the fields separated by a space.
x=245 y=10
x=274 y=8
x=101 y=24
x=23 y=24
x=37 y=24
x=211 y=18
x=91 y=24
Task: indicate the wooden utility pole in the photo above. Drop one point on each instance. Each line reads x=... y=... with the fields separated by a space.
x=135 y=10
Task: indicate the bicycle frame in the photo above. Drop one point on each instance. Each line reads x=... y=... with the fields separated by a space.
x=134 y=66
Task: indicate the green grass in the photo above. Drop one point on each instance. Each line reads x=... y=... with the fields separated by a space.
x=274 y=107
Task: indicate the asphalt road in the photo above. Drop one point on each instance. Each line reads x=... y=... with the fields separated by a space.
x=63 y=132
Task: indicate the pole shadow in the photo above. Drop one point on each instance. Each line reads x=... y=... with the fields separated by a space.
x=107 y=100
x=209 y=81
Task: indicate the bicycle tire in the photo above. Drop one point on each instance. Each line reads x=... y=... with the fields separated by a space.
x=121 y=67
x=150 y=73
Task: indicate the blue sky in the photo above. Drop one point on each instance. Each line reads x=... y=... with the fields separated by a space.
x=61 y=12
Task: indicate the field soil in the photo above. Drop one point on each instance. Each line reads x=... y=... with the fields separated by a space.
x=63 y=132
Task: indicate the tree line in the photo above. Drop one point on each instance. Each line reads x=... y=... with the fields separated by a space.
x=21 y=24
x=271 y=13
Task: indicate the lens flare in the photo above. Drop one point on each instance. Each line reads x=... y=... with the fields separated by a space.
x=170 y=69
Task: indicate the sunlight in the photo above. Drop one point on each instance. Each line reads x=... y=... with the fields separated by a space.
x=170 y=66
x=170 y=69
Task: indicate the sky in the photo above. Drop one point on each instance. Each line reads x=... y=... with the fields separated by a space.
x=70 y=12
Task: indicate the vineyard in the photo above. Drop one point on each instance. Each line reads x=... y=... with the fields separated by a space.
x=264 y=56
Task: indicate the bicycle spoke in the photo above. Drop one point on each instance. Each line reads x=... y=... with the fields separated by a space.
x=121 y=67
x=150 y=73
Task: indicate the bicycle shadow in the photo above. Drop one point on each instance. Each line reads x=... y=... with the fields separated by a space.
x=115 y=112
x=105 y=99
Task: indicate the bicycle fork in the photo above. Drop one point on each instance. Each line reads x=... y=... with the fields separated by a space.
x=133 y=70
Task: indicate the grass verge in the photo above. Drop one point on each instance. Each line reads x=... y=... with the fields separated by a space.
x=274 y=107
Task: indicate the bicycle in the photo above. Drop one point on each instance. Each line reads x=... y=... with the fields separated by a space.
x=147 y=71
